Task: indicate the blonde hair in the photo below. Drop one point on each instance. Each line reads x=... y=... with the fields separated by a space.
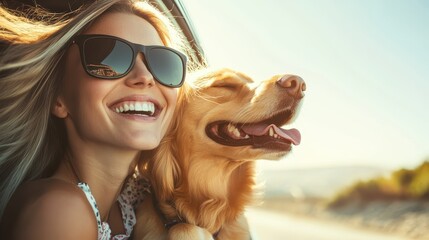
x=32 y=140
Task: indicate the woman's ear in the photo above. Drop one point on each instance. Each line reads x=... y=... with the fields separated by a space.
x=59 y=109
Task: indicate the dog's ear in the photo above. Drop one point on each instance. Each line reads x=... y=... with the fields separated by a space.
x=225 y=78
x=232 y=82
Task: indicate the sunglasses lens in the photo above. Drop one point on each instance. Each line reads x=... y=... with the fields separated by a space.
x=107 y=58
x=166 y=66
x=111 y=58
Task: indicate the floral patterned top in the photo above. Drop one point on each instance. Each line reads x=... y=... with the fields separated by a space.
x=132 y=194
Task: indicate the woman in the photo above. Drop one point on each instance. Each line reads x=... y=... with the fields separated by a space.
x=81 y=101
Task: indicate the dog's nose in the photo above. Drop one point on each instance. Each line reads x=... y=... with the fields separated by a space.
x=294 y=85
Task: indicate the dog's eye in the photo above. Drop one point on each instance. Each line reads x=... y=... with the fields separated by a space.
x=231 y=87
x=228 y=83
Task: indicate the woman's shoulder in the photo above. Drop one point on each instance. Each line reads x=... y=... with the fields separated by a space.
x=49 y=192
x=46 y=207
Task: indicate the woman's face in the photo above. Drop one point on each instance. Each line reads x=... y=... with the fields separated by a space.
x=89 y=104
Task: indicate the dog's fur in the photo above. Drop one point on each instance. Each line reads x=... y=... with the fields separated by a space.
x=206 y=183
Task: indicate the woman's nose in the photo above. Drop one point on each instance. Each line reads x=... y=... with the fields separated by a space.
x=140 y=76
x=294 y=85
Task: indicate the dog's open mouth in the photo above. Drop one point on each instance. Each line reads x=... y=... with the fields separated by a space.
x=265 y=134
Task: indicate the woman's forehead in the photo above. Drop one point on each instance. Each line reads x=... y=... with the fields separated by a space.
x=127 y=26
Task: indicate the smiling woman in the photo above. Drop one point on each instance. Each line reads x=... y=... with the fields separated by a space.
x=82 y=99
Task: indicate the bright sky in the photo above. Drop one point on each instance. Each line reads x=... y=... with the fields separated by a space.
x=365 y=62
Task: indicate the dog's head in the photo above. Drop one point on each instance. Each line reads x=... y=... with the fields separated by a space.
x=223 y=119
x=226 y=114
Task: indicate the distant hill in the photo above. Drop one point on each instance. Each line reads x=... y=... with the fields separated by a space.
x=313 y=182
x=402 y=184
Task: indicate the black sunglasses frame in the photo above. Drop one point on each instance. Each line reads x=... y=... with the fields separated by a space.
x=136 y=48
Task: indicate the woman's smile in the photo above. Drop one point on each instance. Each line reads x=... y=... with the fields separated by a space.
x=137 y=107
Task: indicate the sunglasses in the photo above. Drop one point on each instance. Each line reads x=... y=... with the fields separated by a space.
x=110 y=57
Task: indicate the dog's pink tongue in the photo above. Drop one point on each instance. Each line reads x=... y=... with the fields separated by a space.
x=292 y=135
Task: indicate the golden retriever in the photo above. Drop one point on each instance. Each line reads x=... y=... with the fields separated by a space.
x=202 y=174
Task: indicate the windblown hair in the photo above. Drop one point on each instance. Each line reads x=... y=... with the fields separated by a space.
x=32 y=140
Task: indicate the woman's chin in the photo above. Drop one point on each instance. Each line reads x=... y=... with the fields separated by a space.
x=146 y=144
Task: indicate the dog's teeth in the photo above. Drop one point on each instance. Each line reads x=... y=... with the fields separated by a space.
x=121 y=109
x=271 y=132
x=117 y=110
x=236 y=132
x=246 y=137
x=275 y=135
x=231 y=128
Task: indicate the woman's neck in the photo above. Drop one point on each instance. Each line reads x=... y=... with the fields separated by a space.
x=104 y=171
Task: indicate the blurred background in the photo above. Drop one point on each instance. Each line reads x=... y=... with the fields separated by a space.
x=364 y=121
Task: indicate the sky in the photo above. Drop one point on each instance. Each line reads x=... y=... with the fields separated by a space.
x=365 y=63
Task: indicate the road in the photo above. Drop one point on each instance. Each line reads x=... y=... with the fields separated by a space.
x=268 y=225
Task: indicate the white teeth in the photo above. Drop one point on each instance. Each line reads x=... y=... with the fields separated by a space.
x=137 y=106
x=271 y=132
x=233 y=130
x=145 y=107
x=236 y=133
